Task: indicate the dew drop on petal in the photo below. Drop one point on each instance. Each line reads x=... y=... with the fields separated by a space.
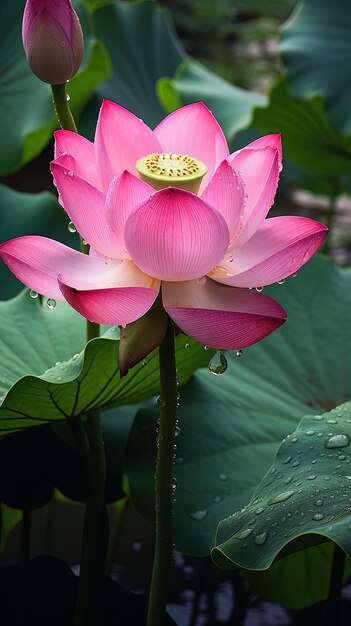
x=317 y=517
x=280 y=497
x=259 y=540
x=218 y=364
x=281 y=282
x=242 y=534
x=33 y=294
x=50 y=303
x=259 y=289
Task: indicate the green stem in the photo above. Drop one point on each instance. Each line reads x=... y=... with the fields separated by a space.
x=95 y=531
x=82 y=442
x=93 y=552
x=116 y=534
x=163 y=484
x=63 y=111
x=335 y=587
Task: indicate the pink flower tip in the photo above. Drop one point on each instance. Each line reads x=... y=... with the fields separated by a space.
x=52 y=40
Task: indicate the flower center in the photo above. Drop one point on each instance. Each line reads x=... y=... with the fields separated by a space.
x=171 y=170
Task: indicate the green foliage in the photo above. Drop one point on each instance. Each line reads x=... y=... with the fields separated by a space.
x=237 y=420
x=316 y=50
x=303 y=500
x=40 y=380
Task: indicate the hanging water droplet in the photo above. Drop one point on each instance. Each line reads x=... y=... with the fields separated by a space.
x=280 y=497
x=68 y=97
x=317 y=517
x=198 y=514
x=50 y=303
x=144 y=362
x=259 y=540
x=33 y=294
x=281 y=282
x=218 y=364
x=187 y=345
x=71 y=227
x=259 y=289
x=337 y=441
x=160 y=402
x=201 y=281
x=206 y=348
x=176 y=431
x=239 y=353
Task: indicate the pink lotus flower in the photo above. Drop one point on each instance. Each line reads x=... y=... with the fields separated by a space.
x=52 y=40
x=203 y=249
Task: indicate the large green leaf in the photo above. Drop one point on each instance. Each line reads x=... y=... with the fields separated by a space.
x=29 y=214
x=143 y=47
x=305 y=498
x=231 y=426
x=316 y=49
x=44 y=375
x=309 y=139
x=232 y=106
x=26 y=114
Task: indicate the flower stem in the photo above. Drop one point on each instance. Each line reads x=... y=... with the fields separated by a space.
x=95 y=531
x=63 y=111
x=335 y=586
x=94 y=536
x=163 y=485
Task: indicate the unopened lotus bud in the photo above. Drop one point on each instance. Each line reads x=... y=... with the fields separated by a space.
x=52 y=40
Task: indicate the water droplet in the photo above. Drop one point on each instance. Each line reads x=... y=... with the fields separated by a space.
x=107 y=260
x=201 y=281
x=50 y=303
x=217 y=498
x=59 y=378
x=280 y=497
x=296 y=463
x=294 y=440
x=318 y=502
x=176 y=431
x=244 y=533
x=317 y=517
x=332 y=422
x=206 y=348
x=287 y=460
x=71 y=227
x=281 y=282
x=259 y=540
x=260 y=510
x=309 y=433
x=337 y=441
x=318 y=418
x=311 y=477
x=252 y=521
x=288 y=480
x=259 y=289
x=294 y=275
x=68 y=97
x=160 y=402
x=187 y=345
x=198 y=514
x=144 y=362
x=33 y=294
x=75 y=357
x=222 y=477
x=239 y=353
x=218 y=364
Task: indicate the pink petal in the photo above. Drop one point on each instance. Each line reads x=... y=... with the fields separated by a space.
x=129 y=295
x=121 y=139
x=85 y=206
x=37 y=261
x=274 y=141
x=176 y=236
x=82 y=152
x=125 y=193
x=220 y=317
x=225 y=192
x=279 y=248
x=259 y=169
x=193 y=130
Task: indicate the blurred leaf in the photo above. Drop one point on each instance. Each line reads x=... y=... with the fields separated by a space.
x=143 y=47
x=232 y=106
x=26 y=113
x=309 y=139
x=29 y=214
x=305 y=498
x=289 y=580
x=231 y=425
x=316 y=50
x=37 y=344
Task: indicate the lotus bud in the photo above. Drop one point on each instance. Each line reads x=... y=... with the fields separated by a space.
x=52 y=40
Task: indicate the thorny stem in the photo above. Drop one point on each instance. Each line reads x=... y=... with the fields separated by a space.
x=163 y=484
